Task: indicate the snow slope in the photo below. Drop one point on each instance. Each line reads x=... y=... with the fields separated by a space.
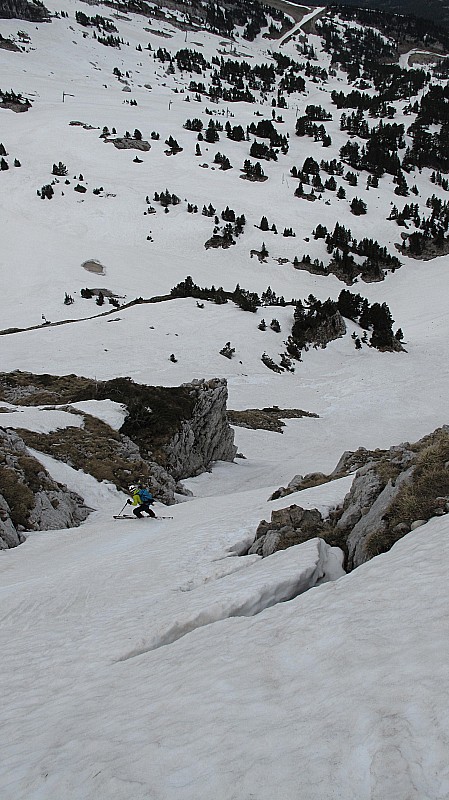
x=339 y=384
x=131 y=672
x=147 y=659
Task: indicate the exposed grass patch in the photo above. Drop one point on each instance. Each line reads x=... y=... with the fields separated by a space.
x=154 y=412
x=17 y=494
x=430 y=480
x=381 y=541
x=268 y=419
x=94 y=448
x=416 y=499
x=332 y=536
x=387 y=471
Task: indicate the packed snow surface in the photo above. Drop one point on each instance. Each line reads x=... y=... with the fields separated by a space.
x=44 y=419
x=142 y=659
x=40 y=420
x=108 y=411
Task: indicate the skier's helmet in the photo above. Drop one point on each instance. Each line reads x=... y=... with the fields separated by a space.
x=132 y=488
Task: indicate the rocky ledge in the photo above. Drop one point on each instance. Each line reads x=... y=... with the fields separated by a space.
x=32 y=10
x=168 y=433
x=30 y=499
x=393 y=492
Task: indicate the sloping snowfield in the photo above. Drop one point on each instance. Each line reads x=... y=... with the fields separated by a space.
x=44 y=244
x=140 y=662
x=147 y=660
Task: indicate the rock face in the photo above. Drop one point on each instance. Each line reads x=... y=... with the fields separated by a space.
x=23 y=9
x=129 y=144
x=29 y=498
x=365 y=488
x=9 y=536
x=393 y=492
x=206 y=436
x=371 y=518
x=168 y=434
x=293 y=526
x=289 y=526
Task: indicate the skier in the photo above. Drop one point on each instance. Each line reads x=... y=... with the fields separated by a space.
x=142 y=499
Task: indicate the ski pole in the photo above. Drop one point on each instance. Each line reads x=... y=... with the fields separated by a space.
x=122 y=508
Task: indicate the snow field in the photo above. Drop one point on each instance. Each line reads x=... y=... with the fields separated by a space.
x=324 y=674
x=147 y=659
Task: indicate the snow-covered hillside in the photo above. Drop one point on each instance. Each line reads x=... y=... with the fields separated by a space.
x=136 y=663
x=148 y=659
x=45 y=242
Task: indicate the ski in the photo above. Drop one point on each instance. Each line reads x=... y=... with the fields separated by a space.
x=131 y=516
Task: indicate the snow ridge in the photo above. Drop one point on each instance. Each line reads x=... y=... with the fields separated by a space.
x=266 y=582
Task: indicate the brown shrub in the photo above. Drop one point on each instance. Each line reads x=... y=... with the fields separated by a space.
x=19 y=497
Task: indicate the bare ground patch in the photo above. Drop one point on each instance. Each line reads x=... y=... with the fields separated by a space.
x=92 y=265
x=268 y=419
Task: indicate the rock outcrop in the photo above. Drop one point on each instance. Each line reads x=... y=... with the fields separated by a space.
x=122 y=143
x=29 y=498
x=290 y=526
x=24 y=9
x=268 y=419
x=300 y=482
x=393 y=492
x=168 y=433
x=371 y=517
x=316 y=329
x=293 y=526
x=206 y=436
x=8 y=44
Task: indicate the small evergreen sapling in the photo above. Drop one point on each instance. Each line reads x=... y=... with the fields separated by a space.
x=227 y=350
x=46 y=192
x=358 y=207
x=59 y=169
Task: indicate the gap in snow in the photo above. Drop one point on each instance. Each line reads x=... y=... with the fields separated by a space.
x=266 y=582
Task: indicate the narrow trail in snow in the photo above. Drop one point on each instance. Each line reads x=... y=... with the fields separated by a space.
x=137 y=302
